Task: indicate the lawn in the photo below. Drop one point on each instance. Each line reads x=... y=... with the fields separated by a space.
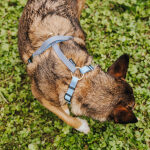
x=113 y=27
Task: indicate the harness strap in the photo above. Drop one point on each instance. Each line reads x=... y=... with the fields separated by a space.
x=53 y=42
x=71 y=89
x=86 y=69
x=63 y=58
x=74 y=81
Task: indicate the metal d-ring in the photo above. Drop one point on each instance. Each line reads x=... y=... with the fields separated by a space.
x=80 y=72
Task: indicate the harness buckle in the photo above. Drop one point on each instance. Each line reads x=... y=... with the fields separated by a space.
x=68 y=98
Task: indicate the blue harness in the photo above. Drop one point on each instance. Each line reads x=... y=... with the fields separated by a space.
x=53 y=42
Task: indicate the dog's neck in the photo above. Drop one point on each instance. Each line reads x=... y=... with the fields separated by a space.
x=94 y=95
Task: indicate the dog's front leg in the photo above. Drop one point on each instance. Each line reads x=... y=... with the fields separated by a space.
x=77 y=123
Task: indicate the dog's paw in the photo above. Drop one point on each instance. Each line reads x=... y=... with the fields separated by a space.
x=84 y=126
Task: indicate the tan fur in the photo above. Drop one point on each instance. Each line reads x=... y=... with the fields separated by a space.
x=88 y=92
x=63 y=28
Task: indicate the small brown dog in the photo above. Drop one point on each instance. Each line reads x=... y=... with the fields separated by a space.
x=102 y=96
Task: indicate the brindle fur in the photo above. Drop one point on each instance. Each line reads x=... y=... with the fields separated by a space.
x=99 y=95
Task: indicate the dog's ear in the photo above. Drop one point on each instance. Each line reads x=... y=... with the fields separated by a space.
x=119 y=68
x=123 y=115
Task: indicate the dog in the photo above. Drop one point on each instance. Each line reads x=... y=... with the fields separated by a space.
x=99 y=95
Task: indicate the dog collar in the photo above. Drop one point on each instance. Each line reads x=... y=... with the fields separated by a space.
x=53 y=42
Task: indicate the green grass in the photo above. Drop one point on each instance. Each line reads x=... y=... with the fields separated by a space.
x=113 y=27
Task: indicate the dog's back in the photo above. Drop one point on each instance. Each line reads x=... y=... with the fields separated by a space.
x=42 y=19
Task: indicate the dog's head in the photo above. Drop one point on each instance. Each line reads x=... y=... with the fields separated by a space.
x=122 y=112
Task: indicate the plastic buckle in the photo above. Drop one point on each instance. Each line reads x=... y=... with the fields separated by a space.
x=72 y=62
x=69 y=101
